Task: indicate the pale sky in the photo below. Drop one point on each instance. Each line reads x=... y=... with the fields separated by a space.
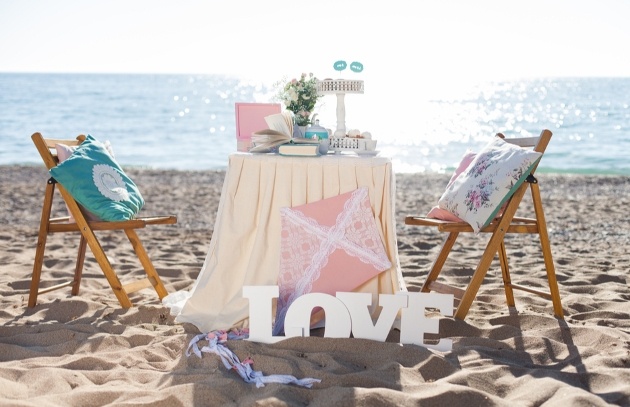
x=438 y=40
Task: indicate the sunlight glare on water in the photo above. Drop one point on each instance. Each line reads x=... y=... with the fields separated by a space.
x=422 y=126
x=582 y=114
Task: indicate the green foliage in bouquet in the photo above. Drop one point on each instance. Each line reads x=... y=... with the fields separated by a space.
x=300 y=96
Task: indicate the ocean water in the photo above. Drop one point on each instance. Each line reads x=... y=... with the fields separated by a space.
x=188 y=121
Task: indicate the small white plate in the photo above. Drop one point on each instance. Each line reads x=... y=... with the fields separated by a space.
x=367 y=153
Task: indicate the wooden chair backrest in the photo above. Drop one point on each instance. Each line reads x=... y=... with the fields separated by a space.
x=47 y=150
x=538 y=144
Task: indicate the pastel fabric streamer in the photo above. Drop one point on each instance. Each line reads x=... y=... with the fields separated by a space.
x=216 y=344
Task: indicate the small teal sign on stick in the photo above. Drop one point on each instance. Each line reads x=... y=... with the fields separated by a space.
x=356 y=67
x=340 y=65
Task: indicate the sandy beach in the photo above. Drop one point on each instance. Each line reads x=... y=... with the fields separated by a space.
x=87 y=351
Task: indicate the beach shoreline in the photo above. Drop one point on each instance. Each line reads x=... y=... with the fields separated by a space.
x=86 y=350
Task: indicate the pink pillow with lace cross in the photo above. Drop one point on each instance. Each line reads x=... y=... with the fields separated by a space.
x=328 y=246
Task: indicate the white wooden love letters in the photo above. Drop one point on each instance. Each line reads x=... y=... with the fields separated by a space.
x=348 y=313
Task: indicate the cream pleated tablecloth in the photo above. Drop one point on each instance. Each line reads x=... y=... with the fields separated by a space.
x=245 y=244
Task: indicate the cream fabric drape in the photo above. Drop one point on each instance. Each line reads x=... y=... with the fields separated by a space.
x=245 y=245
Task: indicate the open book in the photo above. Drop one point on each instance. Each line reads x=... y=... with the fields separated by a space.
x=280 y=132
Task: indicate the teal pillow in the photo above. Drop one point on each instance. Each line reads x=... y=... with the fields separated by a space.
x=98 y=183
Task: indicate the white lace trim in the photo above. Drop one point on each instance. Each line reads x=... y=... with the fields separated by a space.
x=109 y=182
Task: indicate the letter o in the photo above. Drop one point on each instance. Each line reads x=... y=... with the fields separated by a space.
x=297 y=321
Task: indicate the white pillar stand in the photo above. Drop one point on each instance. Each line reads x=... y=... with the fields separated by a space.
x=341 y=116
x=339 y=87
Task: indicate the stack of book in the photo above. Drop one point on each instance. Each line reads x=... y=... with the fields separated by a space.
x=306 y=148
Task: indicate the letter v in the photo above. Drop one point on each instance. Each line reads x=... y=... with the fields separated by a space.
x=362 y=325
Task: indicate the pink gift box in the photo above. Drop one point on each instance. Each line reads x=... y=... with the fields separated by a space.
x=250 y=117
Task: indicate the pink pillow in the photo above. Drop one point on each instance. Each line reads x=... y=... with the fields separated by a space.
x=468 y=157
x=328 y=246
x=438 y=213
x=64 y=151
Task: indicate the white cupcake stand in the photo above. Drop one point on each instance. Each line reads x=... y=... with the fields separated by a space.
x=339 y=87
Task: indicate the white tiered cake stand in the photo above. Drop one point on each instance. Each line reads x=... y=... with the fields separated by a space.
x=339 y=87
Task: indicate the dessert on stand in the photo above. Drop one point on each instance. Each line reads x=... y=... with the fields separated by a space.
x=355 y=141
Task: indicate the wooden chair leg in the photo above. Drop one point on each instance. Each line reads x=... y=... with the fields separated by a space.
x=546 y=250
x=152 y=275
x=78 y=270
x=97 y=250
x=479 y=275
x=505 y=272
x=106 y=267
x=439 y=261
x=41 y=244
x=488 y=255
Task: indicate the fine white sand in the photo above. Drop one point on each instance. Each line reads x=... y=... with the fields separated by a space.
x=86 y=350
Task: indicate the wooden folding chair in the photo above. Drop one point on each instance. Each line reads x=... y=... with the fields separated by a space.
x=498 y=228
x=87 y=229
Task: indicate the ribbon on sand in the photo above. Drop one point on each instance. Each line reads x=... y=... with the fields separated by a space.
x=216 y=344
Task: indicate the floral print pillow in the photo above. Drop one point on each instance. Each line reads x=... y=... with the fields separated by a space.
x=491 y=178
